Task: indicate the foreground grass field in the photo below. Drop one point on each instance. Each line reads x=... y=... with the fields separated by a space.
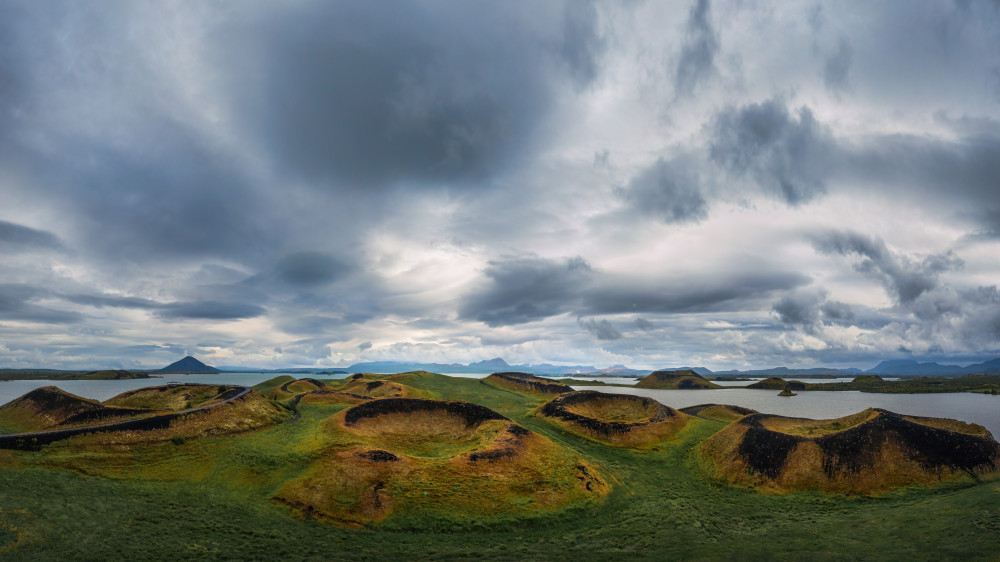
x=211 y=498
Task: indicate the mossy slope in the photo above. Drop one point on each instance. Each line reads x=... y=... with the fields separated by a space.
x=527 y=383
x=403 y=455
x=50 y=407
x=622 y=420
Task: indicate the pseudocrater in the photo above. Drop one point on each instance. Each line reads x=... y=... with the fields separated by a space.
x=872 y=451
x=396 y=456
x=621 y=420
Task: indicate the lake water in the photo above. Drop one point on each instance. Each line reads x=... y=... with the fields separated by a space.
x=102 y=390
x=975 y=408
x=983 y=409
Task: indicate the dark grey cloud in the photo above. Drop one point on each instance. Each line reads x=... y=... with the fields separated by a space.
x=364 y=345
x=582 y=44
x=720 y=292
x=366 y=95
x=799 y=308
x=789 y=155
x=837 y=67
x=311 y=269
x=205 y=309
x=838 y=311
x=955 y=173
x=601 y=329
x=524 y=289
x=101 y=301
x=643 y=324
x=903 y=277
x=668 y=191
x=16 y=304
x=17 y=237
x=701 y=45
x=809 y=308
x=211 y=310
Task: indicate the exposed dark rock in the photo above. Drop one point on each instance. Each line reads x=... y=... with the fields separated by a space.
x=492 y=455
x=764 y=451
x=378 y=455
x=530 y=382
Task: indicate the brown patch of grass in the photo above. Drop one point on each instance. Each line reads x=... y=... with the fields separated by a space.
x=951 y=425
x=725 y=413
x=808 y=427
x=168 y=397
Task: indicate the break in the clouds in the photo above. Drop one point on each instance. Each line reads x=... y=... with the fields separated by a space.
x=643 y=183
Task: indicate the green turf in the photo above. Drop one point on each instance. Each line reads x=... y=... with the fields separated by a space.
x=209 y=499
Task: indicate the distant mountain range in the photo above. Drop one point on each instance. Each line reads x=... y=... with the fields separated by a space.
x=908 y=366
x=495 y=365
x=889 y=367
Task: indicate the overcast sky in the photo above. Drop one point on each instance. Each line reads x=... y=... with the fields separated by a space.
x=726 y=184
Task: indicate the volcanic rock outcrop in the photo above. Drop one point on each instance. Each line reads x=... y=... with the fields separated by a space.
x=622 y=420
x=869 y=452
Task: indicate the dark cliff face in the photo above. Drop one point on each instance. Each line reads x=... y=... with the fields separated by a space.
x=858 y=448
x=559 y=408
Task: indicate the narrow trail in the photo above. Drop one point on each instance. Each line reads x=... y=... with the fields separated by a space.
x=36 y=439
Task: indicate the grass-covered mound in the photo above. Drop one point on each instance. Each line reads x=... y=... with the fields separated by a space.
x=872 y=451
x=622 y=420
x=49 y=407
x=405 y=455
x=719 y=412
x=527 y=383
x=289 y=389
x=378 y=388
x=332 y=397
x=776 y=383
x=246 y=413
x=170 y=397
x=684 y=379
x=267 y=386
x=867 y=379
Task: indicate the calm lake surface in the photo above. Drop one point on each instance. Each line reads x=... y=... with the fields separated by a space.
x=975 y=408
x=966 y=406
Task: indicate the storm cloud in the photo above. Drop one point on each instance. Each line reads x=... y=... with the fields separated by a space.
x=368 y=95
x=15 y=237
x=701 y=45
x=642 y=183
x=787 y=154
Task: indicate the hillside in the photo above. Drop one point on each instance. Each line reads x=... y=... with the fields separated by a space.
x=873 y=451
x=675 y=380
